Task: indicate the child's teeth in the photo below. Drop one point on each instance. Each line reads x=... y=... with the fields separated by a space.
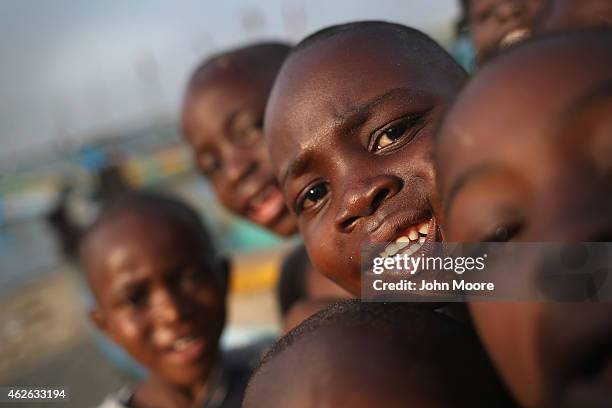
x=413 y=234
x=413 y=240
x=392 y=249
x=402 y=242
x=181 y=343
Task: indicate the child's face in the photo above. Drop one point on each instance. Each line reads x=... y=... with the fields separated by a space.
x=499 y=23
x=223 y=125
x=515 y=165
x=157 y=297
x=350 y=134
x=564 y=14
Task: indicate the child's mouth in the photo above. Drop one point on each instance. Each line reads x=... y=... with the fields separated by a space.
x=266 y=206
x=412 y=240
x=186 y=349
x=513 y=37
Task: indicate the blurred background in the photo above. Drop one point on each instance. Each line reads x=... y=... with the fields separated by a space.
x=90 y=93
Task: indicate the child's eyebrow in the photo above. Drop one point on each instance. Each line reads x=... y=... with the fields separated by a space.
x=230 y=122
x=125 y=283
x=351 y=118
x=297 y=166
x=468 y=177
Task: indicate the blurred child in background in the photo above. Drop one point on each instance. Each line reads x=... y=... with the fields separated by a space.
x=495 y=24
x=160 y=290
x=223 y=124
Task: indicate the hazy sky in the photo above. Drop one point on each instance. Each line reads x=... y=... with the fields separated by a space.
x=69 y=68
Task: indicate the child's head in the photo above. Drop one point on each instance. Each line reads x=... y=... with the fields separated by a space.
x=222 y=121
x=565 y=14
x=357 y=354
x=159 y=286
x=496 y=24
x=349 y=125
x=526 y=155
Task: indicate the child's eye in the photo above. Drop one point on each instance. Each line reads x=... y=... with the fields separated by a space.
x=248 y=136
x=190 y=278
x=504 y=233
x=312 y=197
x=390 y=136
x=136 y=297
x=208 y=163
x=395 y=132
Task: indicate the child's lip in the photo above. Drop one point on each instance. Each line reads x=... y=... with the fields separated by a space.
x=186 y=349
x=392 y=227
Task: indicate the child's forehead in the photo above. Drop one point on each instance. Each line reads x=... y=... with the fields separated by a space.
x=324 y=85
x=142 y=233
x=219 y=80
x=510 y=113
x=522 y=91
x=362 y=53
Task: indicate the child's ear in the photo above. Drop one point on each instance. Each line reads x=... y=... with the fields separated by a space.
x=225 y=265
x=98 y=318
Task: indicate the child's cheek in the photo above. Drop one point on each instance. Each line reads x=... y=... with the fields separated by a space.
x=130 y=330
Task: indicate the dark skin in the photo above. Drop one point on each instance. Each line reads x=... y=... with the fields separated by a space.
x=396 y=368
x=521 y=166
x=160 y=297
x=222 y=121
x=350 y=136
x=495 y=24
x=568 y=14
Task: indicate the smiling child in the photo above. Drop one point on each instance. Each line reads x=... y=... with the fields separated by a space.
x=222 y=121
x=349 y=125
x=526 y=155
x=160 y=290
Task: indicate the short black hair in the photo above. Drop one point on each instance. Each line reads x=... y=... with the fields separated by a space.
x=421 y=45
x=401 y=30
x=430 y=348
x=154 y=205
x=245 y=58
x=387 y=317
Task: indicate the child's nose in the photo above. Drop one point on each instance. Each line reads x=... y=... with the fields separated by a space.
x=362 y=200
x=165 y=307
x=238 y=168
